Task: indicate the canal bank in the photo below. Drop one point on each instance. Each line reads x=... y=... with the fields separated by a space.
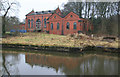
x=50 y=42
x=60 y=48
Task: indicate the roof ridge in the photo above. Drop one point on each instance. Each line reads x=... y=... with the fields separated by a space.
x=42 y=12
x=45 y=10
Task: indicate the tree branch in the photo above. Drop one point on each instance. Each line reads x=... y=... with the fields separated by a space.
x=8 y=8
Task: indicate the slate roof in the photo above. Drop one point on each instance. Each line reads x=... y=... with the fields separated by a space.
x=50 y=12
x=63 y=15
x=42 y=12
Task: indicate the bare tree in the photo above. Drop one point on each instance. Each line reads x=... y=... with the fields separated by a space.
x=12 y=23
x=8 y=5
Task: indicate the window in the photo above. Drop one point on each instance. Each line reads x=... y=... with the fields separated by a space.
x=79 y=20
x=45 y=23
x=67 y=27
x=29 y=23
x=55 y=17
x=51 y=26
x=71 y=16
x=57 y=26
x=42 y=11
x=74 y=25
x=32 y=23
x=38 y=23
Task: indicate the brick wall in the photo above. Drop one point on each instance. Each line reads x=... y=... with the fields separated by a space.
x=81 y=24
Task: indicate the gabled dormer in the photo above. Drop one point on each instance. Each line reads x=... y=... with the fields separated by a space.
x=58 y=11
x=30 y=12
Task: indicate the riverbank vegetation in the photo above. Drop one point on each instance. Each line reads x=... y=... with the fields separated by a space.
x=72 y=40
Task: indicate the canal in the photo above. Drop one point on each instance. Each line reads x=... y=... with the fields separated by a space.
x=56 y=63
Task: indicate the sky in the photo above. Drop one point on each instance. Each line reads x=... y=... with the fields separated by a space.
x=38 y=5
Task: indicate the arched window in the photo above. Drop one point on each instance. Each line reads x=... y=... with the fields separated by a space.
x=45 y=23
x=29 y=23
x=38 y=23
x=74 y=24
x=32 y=23
x=68 y=25
x=51 y=26
x=57 y=26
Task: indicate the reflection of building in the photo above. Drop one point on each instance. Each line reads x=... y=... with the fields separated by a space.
x=52 y=61
x=85 y=65
x=56 y=62
x=54 y=22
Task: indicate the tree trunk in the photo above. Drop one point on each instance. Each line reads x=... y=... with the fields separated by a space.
x=86 y=9
x=3 y=19
x=80 y=9
x=89 y=9
x=93 y=9
x=3 y=25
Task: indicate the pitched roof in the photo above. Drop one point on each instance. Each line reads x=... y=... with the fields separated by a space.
x=57 y=9
x=30 y=13
x=50 y=12
x=63 y=15
x=42 y=12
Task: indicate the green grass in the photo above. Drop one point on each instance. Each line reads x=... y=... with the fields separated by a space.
x=7 y=32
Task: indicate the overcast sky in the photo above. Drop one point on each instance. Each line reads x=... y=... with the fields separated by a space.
x=38 y=5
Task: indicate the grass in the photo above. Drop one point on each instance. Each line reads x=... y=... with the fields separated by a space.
x=43 y=39
x=7 y=32
x=39 y=39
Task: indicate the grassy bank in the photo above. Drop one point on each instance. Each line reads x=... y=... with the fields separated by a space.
x=43 y=39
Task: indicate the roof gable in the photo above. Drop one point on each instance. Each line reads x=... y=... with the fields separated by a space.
x=30 y=13
x=58 y=11
x=54 y=16
x=71 y=15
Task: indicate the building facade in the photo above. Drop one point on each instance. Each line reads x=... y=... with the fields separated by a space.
x=53 y=22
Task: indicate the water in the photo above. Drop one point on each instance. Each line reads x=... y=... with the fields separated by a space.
x=22 y=63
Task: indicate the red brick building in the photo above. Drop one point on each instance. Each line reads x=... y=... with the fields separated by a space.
x=53 y=22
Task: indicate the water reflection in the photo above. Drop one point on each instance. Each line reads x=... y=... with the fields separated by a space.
x=48 y=64
x=87 y=64
x=9 y=62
